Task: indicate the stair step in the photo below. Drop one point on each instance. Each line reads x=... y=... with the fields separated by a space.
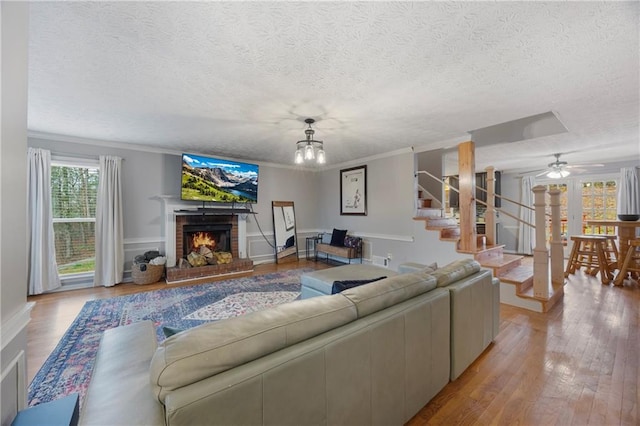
x=441 y=222
x=495 y=251
x=450 y=233
x=521 y=276
x=556 y=293
x=430 y=212
x=501 y=265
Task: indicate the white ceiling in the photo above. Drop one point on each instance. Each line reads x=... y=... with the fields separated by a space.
x=237 y=79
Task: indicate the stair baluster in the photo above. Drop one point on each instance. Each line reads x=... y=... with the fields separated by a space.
x=540 y=252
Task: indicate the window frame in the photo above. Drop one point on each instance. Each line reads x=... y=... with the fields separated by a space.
x=77 y=278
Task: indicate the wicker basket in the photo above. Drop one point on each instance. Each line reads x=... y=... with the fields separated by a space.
x=151 y=275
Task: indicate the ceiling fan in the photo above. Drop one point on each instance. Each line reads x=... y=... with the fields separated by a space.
x=561 y=169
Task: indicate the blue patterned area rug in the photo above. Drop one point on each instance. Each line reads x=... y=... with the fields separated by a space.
x=68 y=369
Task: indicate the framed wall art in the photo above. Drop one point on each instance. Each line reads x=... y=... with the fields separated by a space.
x=353 y=191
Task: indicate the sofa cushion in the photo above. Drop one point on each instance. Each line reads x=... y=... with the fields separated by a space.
x=455 y=271
x=322 y=280
x=337 y=238
x=409 y=267
x=339 y=286
x=381 y=294
x=212 y=348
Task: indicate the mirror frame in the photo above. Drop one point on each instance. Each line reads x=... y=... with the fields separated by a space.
x=286 y=223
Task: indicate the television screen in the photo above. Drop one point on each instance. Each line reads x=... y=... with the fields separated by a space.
x=213 y=179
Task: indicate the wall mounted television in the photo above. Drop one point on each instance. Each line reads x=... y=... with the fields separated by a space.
x=209 y=179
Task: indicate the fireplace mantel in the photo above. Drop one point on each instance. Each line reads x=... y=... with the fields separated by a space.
x=173 y=207
x=213 y=211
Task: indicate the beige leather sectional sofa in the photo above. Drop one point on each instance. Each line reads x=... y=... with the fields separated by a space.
x=374 y=354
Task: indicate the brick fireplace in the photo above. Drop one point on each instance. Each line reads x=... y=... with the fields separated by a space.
x=219 y=233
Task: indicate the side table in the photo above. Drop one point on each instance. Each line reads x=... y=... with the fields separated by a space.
x=310 y=247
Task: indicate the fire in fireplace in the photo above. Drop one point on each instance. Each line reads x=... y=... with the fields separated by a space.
x=215 y=237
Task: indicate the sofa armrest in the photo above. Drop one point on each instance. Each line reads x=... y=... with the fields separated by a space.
x=120 y=392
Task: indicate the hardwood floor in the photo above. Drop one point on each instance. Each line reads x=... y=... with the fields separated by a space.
x=577 y=364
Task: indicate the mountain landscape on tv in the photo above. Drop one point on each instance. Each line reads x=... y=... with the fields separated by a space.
x=211 y=179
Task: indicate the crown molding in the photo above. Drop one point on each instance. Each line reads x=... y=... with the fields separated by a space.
x=149 y=148
x=157 y=150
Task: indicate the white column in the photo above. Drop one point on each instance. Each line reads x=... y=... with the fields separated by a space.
x=242 y=236
x=540 y=252
x=557 y=251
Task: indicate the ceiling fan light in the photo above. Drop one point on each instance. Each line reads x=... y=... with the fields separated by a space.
x=558 y=174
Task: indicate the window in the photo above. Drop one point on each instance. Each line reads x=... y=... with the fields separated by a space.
x=74 y=189
x=563 y=211
x=584 y=199
x=599 y=202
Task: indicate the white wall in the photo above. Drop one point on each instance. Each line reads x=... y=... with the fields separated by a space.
x=389 y=227
x=431 y=161
x=14 y=311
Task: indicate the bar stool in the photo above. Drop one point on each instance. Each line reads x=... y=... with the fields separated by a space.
x=589 y=251
x=610 y=251
x=631 y=261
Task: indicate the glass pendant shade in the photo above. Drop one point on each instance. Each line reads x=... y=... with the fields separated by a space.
x=308 y=149
x=308 y=152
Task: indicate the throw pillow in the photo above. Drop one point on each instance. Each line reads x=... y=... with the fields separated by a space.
x=352 y=242
x=290 y=242
x=170 y=331
x=339 y=286
x=337 y=238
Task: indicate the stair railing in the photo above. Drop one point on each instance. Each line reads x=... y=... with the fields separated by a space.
x=498 y=209
x=543 y=261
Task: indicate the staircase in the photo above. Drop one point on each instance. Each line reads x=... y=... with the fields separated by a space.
x=514 y=272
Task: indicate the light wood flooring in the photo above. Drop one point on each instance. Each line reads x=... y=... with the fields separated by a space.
x=574 y=365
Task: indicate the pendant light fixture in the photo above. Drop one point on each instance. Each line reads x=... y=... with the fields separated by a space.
x=308 y=149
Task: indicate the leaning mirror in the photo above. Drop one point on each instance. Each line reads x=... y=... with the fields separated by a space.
x=284 y=230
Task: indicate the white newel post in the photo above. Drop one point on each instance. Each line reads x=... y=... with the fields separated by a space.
x=540 y=252
x=557 y=251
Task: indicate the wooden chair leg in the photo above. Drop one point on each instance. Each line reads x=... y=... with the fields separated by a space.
x=573 y=257
x=623 y=271
x=603 y=266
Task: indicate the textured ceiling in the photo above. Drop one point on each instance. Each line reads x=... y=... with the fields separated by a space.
x=237 y=79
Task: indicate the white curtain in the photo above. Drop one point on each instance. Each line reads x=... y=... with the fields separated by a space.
x=629 y=191
x=109 y=229
x=43 y=269
x=527 y=234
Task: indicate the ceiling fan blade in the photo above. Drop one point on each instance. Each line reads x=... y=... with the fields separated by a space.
x=543 y=173
x=573 y=166
x=528 y=172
